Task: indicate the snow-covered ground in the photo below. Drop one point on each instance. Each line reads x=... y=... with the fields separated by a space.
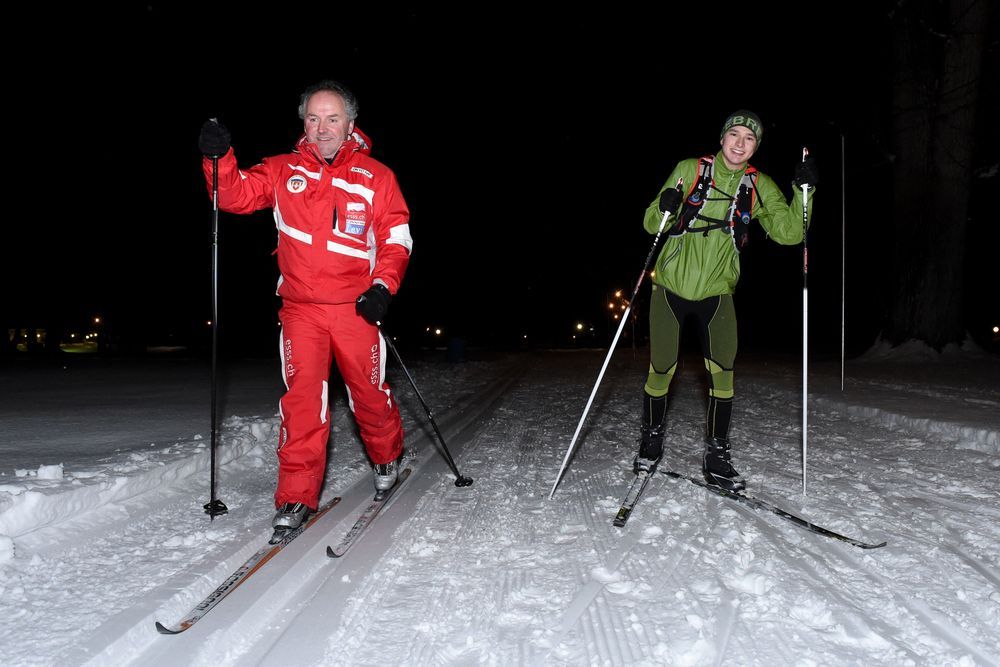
x=104 y=469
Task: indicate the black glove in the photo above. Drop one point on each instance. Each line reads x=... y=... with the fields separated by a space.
x=373 y=304
x=670 y=200
x=214 y=140
x=806 y=173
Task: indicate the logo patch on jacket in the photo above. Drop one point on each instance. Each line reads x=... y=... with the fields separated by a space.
x=359 y=170
x=296 y=184
x=356 y=218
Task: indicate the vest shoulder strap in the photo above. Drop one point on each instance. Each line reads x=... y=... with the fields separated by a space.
x=696 y=196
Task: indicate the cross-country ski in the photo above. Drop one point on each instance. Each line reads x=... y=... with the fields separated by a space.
x=241 y=574
x=366 y=517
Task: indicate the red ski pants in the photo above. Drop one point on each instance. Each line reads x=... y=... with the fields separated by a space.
x=312 y=336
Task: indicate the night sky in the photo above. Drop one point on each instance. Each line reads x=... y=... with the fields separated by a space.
x=526 y=145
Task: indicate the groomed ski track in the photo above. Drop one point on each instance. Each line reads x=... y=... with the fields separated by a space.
x=692 y=578
x=246 y=626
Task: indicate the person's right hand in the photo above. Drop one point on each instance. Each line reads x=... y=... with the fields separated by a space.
x=214 y=140
x=670 y=200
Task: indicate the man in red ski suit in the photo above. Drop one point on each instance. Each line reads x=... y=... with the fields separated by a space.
x=343 y=246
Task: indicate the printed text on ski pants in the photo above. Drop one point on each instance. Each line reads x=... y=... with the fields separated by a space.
x=312 y=337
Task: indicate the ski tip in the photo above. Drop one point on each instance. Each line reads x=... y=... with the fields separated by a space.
x=463 y=481
x=164 y=630
x=870 y=546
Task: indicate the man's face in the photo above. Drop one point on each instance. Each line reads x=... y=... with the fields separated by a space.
x=326 y=123
x=738 y=146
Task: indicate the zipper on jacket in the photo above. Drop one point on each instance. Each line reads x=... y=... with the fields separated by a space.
x=670 y=257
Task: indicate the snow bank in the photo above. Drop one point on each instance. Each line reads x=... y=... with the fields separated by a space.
x=51 y=494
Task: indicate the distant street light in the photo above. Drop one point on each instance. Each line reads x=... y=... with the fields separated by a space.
x=621 y=303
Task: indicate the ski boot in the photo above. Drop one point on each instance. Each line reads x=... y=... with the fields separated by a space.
x=288 y=517
x=717 y=468
x=650 y=449
x=385 y=477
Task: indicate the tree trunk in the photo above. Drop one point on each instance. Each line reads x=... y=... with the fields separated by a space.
x=937 y=78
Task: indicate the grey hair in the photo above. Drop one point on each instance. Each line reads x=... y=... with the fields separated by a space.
x=330 y=86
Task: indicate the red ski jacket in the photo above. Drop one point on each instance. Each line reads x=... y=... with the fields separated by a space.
x=341 y=226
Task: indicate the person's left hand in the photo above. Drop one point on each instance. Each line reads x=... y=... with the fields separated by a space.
x=806 y=173
x=373 y=304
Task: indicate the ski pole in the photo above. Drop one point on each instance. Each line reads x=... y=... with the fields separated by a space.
x=650 y=258
x=215 y=507
x=459 y=479
x=805 y=324
x=843 y=257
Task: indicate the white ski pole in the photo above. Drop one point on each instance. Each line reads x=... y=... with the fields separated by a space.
x=843 y=257
x=650 y=258
x=805 y=325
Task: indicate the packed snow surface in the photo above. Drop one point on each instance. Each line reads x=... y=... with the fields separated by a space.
x=105 y=468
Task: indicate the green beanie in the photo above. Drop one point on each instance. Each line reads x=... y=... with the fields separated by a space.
x=747 y=119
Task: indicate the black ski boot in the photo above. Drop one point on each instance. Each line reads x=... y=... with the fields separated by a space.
x=654 y=412
x=650 y=449
x=717 y=468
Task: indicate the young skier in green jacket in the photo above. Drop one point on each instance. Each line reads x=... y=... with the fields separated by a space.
x=696 y=274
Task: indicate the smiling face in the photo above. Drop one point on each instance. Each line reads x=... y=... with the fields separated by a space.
x=326 y=122
x=738 y=146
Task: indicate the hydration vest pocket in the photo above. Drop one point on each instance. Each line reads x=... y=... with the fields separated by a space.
x=741 y=230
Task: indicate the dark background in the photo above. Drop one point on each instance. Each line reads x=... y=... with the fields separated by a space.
x=527 y=144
